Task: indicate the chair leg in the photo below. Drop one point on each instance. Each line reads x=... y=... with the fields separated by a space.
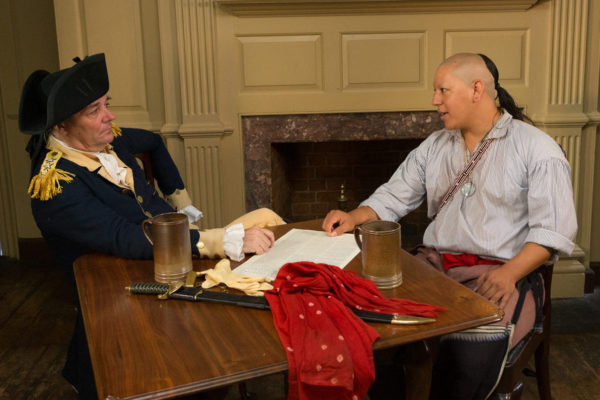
x=542 y=369
x=514 y=395
x=244 y=395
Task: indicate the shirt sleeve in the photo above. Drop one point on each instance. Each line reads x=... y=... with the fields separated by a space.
x=552 y=218
x=405 y=190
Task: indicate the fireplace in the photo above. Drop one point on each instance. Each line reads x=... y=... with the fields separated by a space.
x=297 y=164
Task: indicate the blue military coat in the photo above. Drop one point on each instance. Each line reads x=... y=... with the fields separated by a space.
x=92 y=214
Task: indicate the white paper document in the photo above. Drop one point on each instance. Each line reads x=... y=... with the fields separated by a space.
x=302 y=245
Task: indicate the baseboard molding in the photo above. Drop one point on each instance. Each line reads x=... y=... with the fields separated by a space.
x=595 y=267
x=568 y=279
x=35 y=251
x=590 y=281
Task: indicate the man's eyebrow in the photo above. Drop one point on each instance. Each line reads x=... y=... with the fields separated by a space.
x=93 y=105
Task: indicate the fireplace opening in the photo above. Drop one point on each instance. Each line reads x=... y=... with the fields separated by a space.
x=310 y=178
x=297 y=163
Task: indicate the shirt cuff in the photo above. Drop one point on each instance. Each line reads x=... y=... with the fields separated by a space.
x=233 y=242
x=552 y=239
x=192 y=213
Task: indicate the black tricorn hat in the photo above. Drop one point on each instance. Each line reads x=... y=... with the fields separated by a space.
x=48 y=99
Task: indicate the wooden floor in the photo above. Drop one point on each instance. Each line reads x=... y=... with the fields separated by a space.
x=37 y=316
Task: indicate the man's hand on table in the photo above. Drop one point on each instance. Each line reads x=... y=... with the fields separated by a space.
x=258 y=240
x=337 y=222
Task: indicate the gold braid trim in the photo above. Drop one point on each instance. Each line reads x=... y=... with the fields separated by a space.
x=116 y=130
x=46 y=184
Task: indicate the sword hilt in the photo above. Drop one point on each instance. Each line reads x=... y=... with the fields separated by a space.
x=161 y=289
x=147 y=288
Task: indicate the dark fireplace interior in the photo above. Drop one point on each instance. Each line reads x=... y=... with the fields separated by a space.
x=307 y=179
x=297 y=164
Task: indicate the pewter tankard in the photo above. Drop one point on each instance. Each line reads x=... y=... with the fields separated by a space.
x=380 y=245
x=170 y=238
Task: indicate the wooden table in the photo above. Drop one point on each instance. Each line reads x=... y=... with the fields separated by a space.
x=142 y=347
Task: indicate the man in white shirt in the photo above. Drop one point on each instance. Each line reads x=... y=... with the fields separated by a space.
x=512 y=209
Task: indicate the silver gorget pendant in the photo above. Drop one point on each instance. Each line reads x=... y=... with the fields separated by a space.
x=467 y=189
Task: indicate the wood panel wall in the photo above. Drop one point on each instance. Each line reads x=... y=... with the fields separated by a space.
x=191 y=68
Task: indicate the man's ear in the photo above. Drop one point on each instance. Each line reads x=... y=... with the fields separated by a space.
x=61 y=128
x=478 y=90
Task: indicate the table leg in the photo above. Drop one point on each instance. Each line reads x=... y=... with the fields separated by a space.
x=417 y=361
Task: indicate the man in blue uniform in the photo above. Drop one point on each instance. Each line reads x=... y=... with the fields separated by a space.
x=90 y=195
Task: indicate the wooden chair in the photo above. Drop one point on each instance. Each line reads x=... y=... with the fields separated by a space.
x=144 y=158
x=537 y=342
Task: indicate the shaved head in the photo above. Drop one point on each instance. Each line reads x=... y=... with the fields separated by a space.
x=470 y=67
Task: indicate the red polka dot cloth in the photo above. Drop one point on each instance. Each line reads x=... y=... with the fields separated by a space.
x=329 y=349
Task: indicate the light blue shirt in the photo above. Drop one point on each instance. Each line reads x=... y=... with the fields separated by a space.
x=523 y=192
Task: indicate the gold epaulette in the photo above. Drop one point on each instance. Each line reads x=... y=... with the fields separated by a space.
x=46 y=184
x=116 y=130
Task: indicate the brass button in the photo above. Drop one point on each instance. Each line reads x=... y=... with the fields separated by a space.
x=148 y=214
x=200 y=245
x=140 y=199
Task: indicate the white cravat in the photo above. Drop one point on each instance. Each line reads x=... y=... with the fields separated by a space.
x=110 y=164
x=108 y=161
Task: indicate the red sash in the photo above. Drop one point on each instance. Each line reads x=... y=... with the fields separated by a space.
x=468 y=260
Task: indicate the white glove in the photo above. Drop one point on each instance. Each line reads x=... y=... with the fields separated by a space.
x=222 y=273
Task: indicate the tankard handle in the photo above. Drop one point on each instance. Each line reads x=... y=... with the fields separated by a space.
x=146 y=231
x=357 y=237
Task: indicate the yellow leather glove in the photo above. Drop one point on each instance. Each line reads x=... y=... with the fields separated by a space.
x=222 y=273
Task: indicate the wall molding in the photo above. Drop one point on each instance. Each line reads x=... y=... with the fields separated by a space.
x=9 y=50
x=569 y=32
x=244 y=8
x=574 y=120
x=566 y=119
x=195 y=24
x=8 y=220
x=202 y=161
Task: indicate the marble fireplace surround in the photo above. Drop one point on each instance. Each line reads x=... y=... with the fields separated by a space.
x=259 y=132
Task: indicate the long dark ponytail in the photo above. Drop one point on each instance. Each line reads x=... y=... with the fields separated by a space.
x=505 y=99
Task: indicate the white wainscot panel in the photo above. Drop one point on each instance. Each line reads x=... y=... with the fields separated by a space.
x=281 y=62
x=386 y=60
x=507 y=48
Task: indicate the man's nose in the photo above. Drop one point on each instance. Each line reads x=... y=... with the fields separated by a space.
x=109 y=116
x=436 y=99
